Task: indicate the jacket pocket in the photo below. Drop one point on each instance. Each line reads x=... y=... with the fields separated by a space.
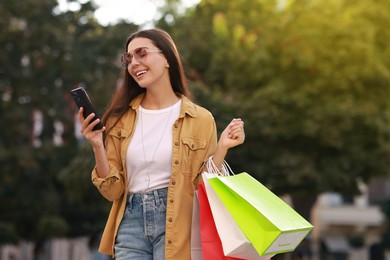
x=119 y=133
x=192 y=155
x=114 y=146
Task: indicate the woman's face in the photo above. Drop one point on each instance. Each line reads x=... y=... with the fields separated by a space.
x=147 y=64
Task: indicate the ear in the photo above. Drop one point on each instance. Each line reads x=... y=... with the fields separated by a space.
x=167 y=65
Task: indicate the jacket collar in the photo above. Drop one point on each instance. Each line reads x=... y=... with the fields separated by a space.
x=187 y=106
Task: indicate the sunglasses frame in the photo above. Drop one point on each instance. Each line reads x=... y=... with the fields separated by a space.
x=127 y=57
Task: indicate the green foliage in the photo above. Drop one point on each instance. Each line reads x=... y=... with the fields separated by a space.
x=45 y=54
x=311 y=79
x=86 y=208
x=52 y=226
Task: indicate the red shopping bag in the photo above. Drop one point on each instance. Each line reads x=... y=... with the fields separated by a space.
x=211 y=243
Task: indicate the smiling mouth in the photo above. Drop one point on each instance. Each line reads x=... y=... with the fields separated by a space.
x=140 y=73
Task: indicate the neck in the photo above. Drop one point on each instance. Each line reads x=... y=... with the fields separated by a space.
x=154 y=101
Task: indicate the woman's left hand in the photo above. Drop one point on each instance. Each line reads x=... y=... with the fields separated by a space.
x=233 y=134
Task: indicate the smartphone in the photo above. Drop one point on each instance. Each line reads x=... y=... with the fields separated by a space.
x=81 y=99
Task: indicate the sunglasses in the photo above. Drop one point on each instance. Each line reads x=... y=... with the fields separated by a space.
x=140 y=54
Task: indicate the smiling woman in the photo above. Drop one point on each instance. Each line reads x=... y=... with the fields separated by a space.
x=150 y=153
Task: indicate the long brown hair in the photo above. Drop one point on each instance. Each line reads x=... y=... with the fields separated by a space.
x=129 y=88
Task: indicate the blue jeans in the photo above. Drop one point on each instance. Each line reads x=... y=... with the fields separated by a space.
x=141 y=234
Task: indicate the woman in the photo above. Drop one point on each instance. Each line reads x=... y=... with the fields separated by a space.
x=150 y=154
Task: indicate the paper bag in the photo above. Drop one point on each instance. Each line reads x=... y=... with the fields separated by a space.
x=196 y=244
x=269 y=223
x=234 y=242
x=211 y=243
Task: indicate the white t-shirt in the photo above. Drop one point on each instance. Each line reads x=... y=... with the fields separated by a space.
x=149 y=155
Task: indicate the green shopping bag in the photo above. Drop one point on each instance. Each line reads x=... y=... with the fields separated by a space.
x=269 y=223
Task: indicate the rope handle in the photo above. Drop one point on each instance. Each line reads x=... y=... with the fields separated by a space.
x=213 y=169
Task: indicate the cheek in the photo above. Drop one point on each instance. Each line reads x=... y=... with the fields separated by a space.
x=161 y=67
x=129 y=71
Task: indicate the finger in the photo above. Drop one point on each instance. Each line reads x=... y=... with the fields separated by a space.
x=92 y=124
x=237 y=120
x=88 y=120
x=239 y=138
x=236 y=128
x=234 y=122
x=236 y=135
x=237 y=123
x=90 y=117
x=94 y=133
x=81 y=116
x=101 y=130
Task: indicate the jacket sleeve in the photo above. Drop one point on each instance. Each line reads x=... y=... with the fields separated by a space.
x=113 y=185
x=210 y=149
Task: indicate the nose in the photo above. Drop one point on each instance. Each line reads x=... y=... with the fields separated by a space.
x=134 y=62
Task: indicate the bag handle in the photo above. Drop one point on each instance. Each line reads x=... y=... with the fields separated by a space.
x=213 y=169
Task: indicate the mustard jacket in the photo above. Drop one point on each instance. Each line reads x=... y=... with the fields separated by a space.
x=194 y=141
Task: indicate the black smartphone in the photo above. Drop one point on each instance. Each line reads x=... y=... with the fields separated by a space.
x=81 y=99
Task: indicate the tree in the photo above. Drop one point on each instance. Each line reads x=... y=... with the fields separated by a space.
x=311 y=80
x=46 y=53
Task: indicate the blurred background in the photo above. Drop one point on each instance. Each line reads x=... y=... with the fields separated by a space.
x=310 y=78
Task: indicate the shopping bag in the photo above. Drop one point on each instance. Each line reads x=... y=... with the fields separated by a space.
x=211 y=243
x=269 y=223
x=233 y=240
x=196 y=244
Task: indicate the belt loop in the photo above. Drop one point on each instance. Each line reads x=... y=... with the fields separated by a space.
x=130 y=201
x=156 y=197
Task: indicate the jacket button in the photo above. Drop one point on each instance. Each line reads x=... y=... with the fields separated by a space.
x=119 y=134
x=173 y=182
x=192 y=146
x=170 y=219
x=171 y=200
x=176 y=143
x=169 y=241
x=176 y=161
x=176 y=125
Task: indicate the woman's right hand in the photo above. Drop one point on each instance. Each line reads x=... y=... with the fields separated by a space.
x=94 y=137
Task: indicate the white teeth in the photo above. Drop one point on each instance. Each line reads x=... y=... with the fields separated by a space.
x=140 y=73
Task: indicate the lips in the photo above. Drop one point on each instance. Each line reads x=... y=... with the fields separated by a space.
x=139 y=73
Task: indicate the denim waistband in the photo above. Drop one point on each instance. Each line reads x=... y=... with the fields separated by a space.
x=140 y=198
